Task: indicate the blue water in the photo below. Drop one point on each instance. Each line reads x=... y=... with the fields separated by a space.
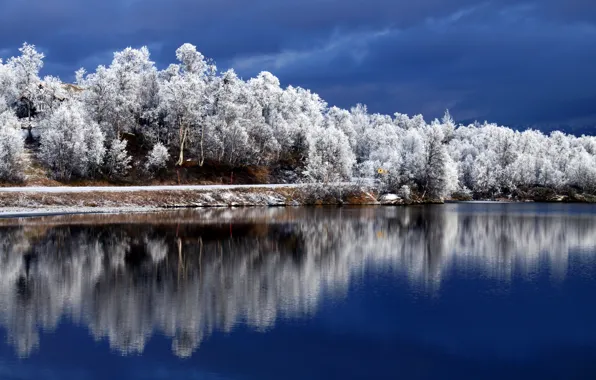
x=458 y=291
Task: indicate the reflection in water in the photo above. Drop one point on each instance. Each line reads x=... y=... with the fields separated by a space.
x=187 y=274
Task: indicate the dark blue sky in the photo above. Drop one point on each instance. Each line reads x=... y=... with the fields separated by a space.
x=508 y=61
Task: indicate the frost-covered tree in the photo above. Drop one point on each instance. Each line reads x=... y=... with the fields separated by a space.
x=51 y=93
x=342 y=120
x=118 y=96
x=12 y=154
x=72 y=145
x=273 y=132
x=157 y=158
x=360 y=120
x=98 y=95
x=117 y=161
x=220 y=118
x=127 y=70
x=8 y=85
x=26 y=69
x=330 y=158
x=583 y=172
x=484 y=174
x=229 y=140
x=438 y=176
x=185 y=100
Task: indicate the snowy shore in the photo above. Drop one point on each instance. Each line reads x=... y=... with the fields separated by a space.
x=28 y=201
x=27 y=212
x=39 y=201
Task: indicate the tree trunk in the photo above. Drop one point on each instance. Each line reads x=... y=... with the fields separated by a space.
x=183 y=134
x=202 y=160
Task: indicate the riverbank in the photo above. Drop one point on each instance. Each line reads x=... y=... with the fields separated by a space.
x=34 y=201
x=63 y=200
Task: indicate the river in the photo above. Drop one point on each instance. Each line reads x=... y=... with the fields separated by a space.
x=462 y=291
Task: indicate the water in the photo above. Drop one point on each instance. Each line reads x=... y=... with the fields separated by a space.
x=462 y=291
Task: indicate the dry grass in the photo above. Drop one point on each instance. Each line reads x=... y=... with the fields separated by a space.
x=211 y=173
x=175 y=199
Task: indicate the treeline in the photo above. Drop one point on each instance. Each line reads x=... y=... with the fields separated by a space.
x=191 y=112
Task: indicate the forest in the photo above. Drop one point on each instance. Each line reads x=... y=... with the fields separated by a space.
x=132 y=119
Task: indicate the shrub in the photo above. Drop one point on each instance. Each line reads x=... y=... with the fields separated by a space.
x=157 y=158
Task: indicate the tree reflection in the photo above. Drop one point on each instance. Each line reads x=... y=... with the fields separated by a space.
x=190 y=275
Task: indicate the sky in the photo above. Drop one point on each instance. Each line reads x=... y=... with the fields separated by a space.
x=513 y=62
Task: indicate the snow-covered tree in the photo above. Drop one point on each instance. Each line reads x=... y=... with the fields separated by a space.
x=330 y=158
x=72 y=145
x=583 y=172
x=98 y=96
x=229 y=140
x=117 y=159
x=26 y=68
x=438 y=176
x=157 y=158
x=127 y=70
x=185 y=100
x=191 y=110
x=117 y=96
x=360 y=120
x=12 y=154
x=342 y=120
x=8 y=85
x=51 y=93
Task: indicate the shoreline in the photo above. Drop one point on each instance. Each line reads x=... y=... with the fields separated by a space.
x=39 y=202
x=15 y=213
x=60 y=201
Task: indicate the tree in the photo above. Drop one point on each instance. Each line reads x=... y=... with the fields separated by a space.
x=438 y=176
x=71 y=144
x=126 y=72
x=342 y=120
x=190 y=109
x=117 y=159
x=115 y=95
x=272 y=132
x=583 y=171
x=226 y=121
x=483 y=173
x=448 y=126
x=157 y=158
x=98 y=96
x=26 y=68
x=12 y=152
x=185 y=100
x=51 y=94
x=330 y=158
x=8 y=85
x=360 y=121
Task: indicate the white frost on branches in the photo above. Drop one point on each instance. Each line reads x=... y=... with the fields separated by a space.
x=71 y=143
x=158 y=158
x=12 y=153
x=202 y=116
x=117 y=159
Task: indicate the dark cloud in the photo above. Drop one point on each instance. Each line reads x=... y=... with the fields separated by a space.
x=504 y=60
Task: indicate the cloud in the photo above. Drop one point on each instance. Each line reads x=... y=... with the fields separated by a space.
x=350 y=46
x=482 y=62
x=496 y=59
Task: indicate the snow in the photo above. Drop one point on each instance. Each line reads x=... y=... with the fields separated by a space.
x=118 y=189
x=389 y=197
x=14 y=212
